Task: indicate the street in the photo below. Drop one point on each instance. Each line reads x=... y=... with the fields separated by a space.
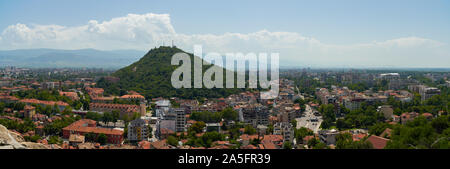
x=309 y=120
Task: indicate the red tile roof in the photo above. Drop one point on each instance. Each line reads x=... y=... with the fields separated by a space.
x=273 y=138
x=378 y=142
x=248 y=137
x=83 y=126
x=134 y=96
x=50 y=103
x=269 y=145
x=357 y=137
x=249 y=147
x=11 y=98
x=144 y=144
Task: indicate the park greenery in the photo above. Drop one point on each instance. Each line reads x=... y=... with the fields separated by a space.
x=227 y=114
x=421 y=133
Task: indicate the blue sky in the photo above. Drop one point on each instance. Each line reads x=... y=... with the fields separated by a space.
x=334 y=23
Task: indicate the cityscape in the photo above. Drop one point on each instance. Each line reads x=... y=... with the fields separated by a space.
x=315 y=109
x=101 y=78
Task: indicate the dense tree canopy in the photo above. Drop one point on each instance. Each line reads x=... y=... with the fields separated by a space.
x=151 y=77
x=422 y=133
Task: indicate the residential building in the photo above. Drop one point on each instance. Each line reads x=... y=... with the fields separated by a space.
x=285 y=129
x=328 y=136
x=123 y=109
x=29 y=111
x=138 y=130
x=61 y=105
x=377 y=141
x=386 y=110
x=254 y=115
x=84 y=126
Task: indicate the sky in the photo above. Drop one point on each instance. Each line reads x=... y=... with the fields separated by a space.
x=322 y=33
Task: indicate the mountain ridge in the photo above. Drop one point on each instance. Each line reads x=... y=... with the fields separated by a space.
x=58 y=58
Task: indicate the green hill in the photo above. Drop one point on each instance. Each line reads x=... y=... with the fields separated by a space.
x=151 y=75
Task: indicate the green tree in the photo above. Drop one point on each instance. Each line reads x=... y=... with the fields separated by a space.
x=90 y=137
x=102 y=139
x=378 y=128
x=171 y=140
x=2 y=107
x=302 y=133
x=93 y=116
x=287 y=145
x=115 y=116
x=55 y=140
x=294 y=123
x=249 y=130
x=107 y=117
x=421 y=134
x=345 y=141
x=229 y=114
x=328 y=114
x=197 y=127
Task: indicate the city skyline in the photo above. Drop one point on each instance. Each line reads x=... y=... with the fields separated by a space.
x=306 y=34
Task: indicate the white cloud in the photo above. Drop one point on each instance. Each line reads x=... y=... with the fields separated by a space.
x=143 y=32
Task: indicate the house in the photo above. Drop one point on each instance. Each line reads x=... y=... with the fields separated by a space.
x=71 y=95
x=386 y=110
x=377 y=141
x=386 y=133
x=162 y=144
x=328 y=136
x=428 y=116
x=307 y=138
x=359 y=136
x=75 y=139
x=406 y=117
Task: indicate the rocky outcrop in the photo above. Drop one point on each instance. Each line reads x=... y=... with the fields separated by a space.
x=31 y=145
x=13 y=140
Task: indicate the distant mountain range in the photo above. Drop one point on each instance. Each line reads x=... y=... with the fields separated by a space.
x=54 y=58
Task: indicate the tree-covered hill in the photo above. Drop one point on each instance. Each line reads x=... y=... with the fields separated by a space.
x=151 y=76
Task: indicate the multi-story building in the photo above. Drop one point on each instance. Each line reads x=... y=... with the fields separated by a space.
x=180 y=119
x=254 y=115
x=50 y=85
x=287 y=116
x=285 y=129
x=29 y=112
x=84 y=126
x=424 y=91
x=123 y=109
x=353 y=103
x=174 y=120
x=389 y=76
x=138 y=130
x=162 y=106
x=429 y=92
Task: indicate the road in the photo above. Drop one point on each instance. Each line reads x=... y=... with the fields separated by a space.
x=305 y=120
